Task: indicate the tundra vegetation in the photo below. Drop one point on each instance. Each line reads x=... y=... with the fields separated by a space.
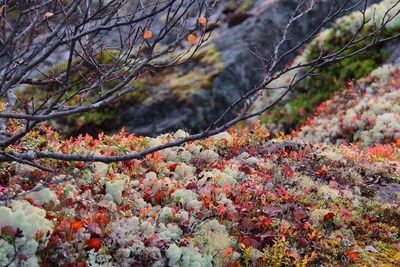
x=228 y=196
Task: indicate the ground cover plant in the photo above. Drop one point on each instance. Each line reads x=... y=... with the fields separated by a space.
x=310 y=93
x=236 y=199
x=365 y=112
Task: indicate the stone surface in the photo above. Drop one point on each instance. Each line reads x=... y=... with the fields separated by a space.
x=242 y=71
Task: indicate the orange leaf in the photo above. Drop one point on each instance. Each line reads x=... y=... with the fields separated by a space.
x=75 y=226
x=202 y=20
x=94 y=243
x=228 y=252
x=286 y=197
x=147 y=34
x=159 y=196
x=192 y=38
x=352 y=255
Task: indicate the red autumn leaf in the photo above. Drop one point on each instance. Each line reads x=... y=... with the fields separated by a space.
x=249 y=242
x=102 y=220
x=9 y=230
x=253 y=151
x=39 y=234
x=352 y=254
x=68 y=202
x=329 y=216
x=54 y=240
x=245 y=169
x=299 y=215
x=191 y=186
x=281 y=191
x=346 y=214
x=84 y=188
x=94 y=243
x=288 y=171
x=266 y=222
x=79 y=165
x=94 y=228
x=221 y=209
x=302 y=242
x=22 y=257
x=247 y=225
x=159 y=196
x=50 y=217
x=172 y=167
x=370 y=219
x=33 y=203
x=147 y=198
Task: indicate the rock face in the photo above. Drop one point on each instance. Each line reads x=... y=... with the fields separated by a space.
x=243 y=25
x=258 y=29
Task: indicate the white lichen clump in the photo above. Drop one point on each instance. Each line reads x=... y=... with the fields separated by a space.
x=115 y=188
x=187 y=198
x=32 y=222
x=43 y=196
x=187 y=257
